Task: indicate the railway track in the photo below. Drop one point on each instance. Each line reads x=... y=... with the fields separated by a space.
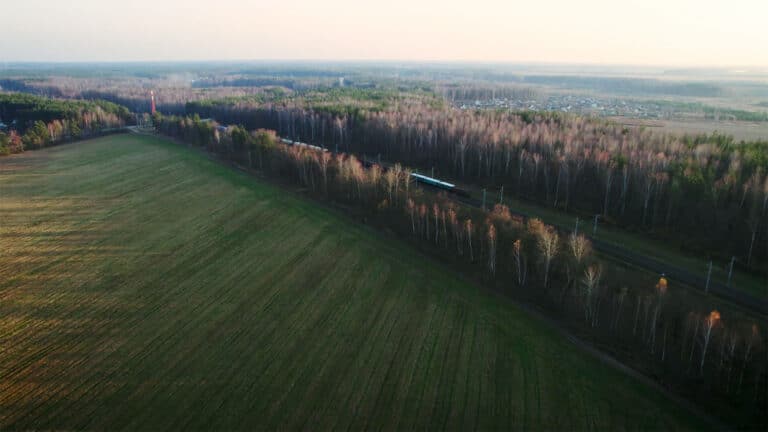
x=626 y=256
x=617 y=253
x=613 y=251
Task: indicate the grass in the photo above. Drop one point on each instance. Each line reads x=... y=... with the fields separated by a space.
x=143 y=286
x=740 y=130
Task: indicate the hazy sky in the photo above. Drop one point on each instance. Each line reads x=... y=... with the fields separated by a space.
x=648 y=32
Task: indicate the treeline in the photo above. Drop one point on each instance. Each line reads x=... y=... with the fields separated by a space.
x=172 y=99
x=35 y=86
x=628 y=86
x=709 y=112
x=706 y=193
x=264 y=81
x=477 y=91
x=716 y=357
x=716 y=113
x=131 y=92
x=36 y=122
x=330 y=103
x=173 y=92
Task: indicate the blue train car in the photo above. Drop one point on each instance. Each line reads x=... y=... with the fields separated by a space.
x=433 y=181
x=450 y=187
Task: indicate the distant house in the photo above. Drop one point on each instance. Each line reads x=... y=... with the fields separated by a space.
x=3 y=126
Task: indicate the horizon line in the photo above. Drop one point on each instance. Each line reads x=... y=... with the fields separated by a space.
x=734 y=68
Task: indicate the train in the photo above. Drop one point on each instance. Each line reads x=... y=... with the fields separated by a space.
x=433 y=182
x=286 y=141
x=419 y=178
x=422 y=179
x=439 y=184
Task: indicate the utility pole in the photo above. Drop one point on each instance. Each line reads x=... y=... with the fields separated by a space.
x=730 y=271
x=576 y=230
x=709 y=276
x=483 y=198
x=594 y=226
x=433 y=172
x=501 y=195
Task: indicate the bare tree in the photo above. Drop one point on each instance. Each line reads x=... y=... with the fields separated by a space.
x=548 y=242
x=325 y=159
x=648 y=182
x=661 y=292
x=765 y=195
x=436 y=215
x=638 y=302
x=407 y=172
x=411 y=209
x=390 y=178
x=609 y=168
x=455 y=229
x=728 y=347
x=579 y=248
x=591 y=283
x=491 y=249
x=619 y=305
x=694 y=340
x=519 y=259
x=624 y=186
x=398 y=173
x=468 y=229
x=752 y=340
x=709 y=323
x=754 y=226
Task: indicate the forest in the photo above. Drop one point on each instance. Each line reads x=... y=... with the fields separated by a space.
x=37 y=122
x=705 y=349
x=707 y=193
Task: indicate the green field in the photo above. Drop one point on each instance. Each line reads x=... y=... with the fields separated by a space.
x=143 y=286
x=740 y=130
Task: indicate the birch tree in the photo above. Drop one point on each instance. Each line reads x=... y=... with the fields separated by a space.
x=519 y=261
x=468 y=228
x=548 y=242
x=491 y=249
x=709 y=324
x=590 y=283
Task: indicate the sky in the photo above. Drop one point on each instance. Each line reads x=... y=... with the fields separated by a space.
x=621 y=32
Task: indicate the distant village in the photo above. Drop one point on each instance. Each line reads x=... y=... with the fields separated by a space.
x=577 y=104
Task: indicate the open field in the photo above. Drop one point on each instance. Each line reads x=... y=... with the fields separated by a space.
x=143 y=286
x=740 y=130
